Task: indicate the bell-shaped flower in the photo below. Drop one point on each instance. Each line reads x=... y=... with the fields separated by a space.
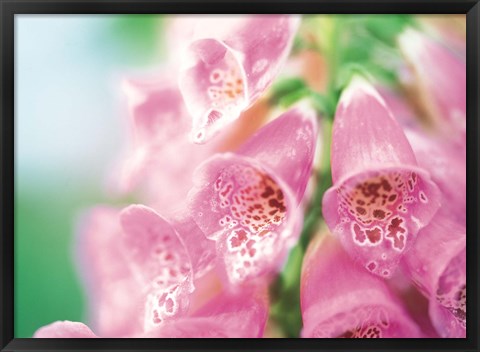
x=229 y=62
x=138 y=271
x=440 y=81
x=380 y=198
x=339 y=299
x=437 y=266
x=249 y=202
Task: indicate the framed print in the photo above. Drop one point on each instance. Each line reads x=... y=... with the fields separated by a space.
x=296 y=176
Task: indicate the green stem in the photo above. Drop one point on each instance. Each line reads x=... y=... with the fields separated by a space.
x=333 y=55
x=285 y=291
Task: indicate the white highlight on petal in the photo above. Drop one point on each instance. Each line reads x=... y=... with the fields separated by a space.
x=360 y=87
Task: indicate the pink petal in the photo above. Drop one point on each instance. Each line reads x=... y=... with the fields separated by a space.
x=250 y=213
x=445 y=162
x=195 y=328
x=240 y=315
x=340 y=299
x=138 y=274
x=416 y=304
x=380 y=198
x=200 y=249
x=244 y=312
x=159 y=262
x=447 y=325
x=441 y=76
x=113 y=295
x=287 y=145
x=65 y=329
x=206 y=288
x=160 y=125
x=436 y=264
x=447 y=167
x=230 y=62
x=249 y=203
x=365 y=134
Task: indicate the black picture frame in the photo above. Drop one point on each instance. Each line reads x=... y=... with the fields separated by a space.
x=10 y=8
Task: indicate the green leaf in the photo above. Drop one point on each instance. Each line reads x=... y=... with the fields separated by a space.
x=324 y=104
x=387 y=27
x=291 y=98
x=348 y=71
x=286 y=86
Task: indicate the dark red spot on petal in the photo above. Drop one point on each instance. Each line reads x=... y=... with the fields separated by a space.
x=394 y=231
x=374 y=235
x=379 y=214
x=276 y=204
x=268 y=192
x=371 y=266
x=361 y=210
x=386 y=185
x=359 y=234
x=392 y=197
x=279 y=194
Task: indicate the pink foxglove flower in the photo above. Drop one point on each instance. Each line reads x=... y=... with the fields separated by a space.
x=437 y=266
x=137 y=270
x=380 y=198
x=341 y=299
x=440 y=76
x=229 y=62
x=248 y=202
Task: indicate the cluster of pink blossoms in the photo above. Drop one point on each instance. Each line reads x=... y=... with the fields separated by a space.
x=224 y=206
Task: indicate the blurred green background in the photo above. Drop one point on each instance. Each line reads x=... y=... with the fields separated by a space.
x=70 y=125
